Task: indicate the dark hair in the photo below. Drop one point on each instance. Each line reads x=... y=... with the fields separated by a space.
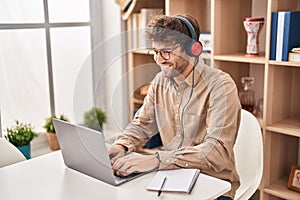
x=171 y=30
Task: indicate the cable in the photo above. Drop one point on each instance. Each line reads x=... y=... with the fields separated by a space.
x=190 y=97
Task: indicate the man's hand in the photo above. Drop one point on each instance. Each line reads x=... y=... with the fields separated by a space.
x=115 y=152
x=135 y=163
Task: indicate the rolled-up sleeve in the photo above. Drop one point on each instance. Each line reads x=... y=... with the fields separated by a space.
x=143 y=125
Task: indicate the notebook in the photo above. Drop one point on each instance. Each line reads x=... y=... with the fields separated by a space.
x=84 y=150
x=177 y=180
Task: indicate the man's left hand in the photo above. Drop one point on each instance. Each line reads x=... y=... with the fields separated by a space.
x=135 y=163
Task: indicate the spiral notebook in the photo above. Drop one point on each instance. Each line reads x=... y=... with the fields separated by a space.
x=177 y=180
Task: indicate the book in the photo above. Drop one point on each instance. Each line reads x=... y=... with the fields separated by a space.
x=279 y=39
x=294 y=57
x=291 y=33
x=135 y=32
x=177 y=180
x=296 y=50
x=284 y=34
x=273 y=35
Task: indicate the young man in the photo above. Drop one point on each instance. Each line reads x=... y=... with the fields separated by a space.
x=194 y=107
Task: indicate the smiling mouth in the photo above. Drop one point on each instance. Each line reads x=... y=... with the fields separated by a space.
x=168 y=65
x=167 y=68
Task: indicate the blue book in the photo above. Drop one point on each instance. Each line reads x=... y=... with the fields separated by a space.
x=291 y=33
x=273 y=36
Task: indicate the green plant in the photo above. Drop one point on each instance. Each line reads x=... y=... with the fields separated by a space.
x=94 y=118
x=21 y=134
x=49 y=124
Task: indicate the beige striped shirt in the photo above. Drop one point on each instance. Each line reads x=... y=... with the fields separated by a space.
x=198 y=127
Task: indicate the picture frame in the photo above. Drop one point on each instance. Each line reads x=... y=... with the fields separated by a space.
x=205 y=39
x=294 y=179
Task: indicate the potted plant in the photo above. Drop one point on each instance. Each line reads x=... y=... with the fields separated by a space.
x=20 y=136
x=50 y=131
x=94 y=118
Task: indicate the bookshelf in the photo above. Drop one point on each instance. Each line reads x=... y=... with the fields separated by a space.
x=276 y=82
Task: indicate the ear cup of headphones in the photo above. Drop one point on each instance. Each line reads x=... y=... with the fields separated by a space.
x=193 y=48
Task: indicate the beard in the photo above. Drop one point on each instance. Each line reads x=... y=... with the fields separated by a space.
x=174 y=69
x=169 y=70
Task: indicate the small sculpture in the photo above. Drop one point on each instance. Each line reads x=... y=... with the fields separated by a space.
x=253 y=27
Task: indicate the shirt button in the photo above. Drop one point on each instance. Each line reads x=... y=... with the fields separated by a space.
x=178 y=135
x=167 y=160
x=186 y=164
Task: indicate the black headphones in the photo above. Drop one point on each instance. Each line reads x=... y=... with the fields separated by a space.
x=193 y=47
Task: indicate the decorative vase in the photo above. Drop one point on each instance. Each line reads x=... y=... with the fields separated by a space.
x=253 y=27
x=53 y=141
x=25 y=150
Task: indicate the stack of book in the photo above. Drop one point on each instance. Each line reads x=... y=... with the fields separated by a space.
x=285 y=31
x=294 y=55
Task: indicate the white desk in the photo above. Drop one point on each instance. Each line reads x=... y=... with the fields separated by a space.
x=47 y=178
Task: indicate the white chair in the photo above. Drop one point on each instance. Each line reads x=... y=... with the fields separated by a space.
x=248 y=155
x=9 y=154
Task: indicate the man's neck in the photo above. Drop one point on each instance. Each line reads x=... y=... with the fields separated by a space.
x=179 y=79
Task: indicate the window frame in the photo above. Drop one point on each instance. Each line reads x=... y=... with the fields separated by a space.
x=95 y=34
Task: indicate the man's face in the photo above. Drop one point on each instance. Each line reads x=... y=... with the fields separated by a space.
x=170 y=59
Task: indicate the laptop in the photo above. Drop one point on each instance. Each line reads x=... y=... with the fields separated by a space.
x=84 y=150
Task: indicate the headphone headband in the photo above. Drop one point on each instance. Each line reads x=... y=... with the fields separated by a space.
x=189 y=25
x=193 y=48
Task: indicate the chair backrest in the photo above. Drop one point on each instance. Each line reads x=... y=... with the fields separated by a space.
x=9 y=154
x=248 y=151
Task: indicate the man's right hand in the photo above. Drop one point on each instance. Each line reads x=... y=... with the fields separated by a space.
x=115 y=152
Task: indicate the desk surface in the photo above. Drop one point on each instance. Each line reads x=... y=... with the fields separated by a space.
x=46 y=177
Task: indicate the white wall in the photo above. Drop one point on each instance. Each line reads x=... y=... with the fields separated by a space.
x=115 y=100
x=111 y=19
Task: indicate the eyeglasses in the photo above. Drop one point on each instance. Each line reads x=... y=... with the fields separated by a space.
x=164 y=53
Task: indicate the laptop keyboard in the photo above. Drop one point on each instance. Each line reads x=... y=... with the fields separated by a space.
x=120 y=177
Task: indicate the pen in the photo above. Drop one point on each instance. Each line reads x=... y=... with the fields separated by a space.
x=161 y=187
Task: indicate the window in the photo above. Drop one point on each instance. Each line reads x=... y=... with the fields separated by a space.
x=43 y=46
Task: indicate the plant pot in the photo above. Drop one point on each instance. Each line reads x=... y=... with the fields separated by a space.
x=53 y=142
x=25 y=150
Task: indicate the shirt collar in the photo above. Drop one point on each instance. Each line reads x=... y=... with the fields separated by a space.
x=189 y=78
